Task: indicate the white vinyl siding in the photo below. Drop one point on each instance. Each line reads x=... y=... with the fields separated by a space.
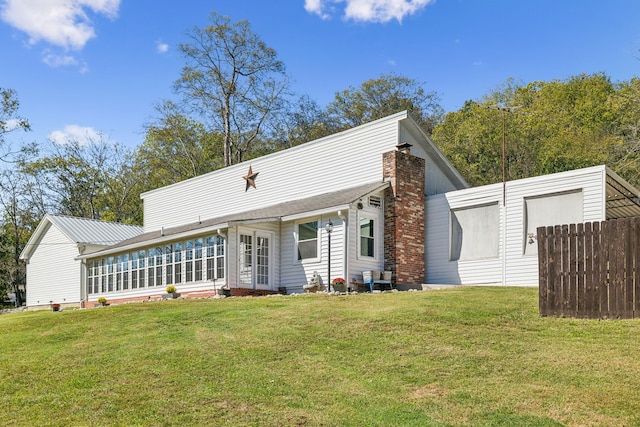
x=518 y=268
x=52 y=272
x=295 y=167
x=295 y=173
x=440 y=176
x=550 y=209
x=295 y=274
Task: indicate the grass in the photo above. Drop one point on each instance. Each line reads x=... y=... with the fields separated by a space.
x=462 y=357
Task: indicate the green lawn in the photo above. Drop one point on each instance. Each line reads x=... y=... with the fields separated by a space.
x=467 y=356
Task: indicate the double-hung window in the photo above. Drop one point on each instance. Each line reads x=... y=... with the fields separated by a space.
x=307 y=240
x=367 y=237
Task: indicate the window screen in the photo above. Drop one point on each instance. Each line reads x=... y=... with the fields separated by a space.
x=552 y=209
x=475 y=232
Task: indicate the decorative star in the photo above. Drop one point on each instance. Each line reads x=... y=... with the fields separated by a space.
x=250 y=177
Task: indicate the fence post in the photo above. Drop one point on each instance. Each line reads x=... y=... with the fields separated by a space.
x=607 y=290
x=580 y=271
x=543 y=271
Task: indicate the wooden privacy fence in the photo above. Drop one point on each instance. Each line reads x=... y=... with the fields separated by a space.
x=590 y=270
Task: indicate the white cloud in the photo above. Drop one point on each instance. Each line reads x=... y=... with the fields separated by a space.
x=54 y=60
x=368 y=10
x=11 y=124
x=84 y=135
x=161 y=47
x=62 y=23
x=316 y=6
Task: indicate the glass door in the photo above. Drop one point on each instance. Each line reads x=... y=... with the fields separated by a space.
x=254 y=263
x=245 y=251
x=262 y=262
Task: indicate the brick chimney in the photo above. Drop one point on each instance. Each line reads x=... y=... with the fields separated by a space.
x=404 y=216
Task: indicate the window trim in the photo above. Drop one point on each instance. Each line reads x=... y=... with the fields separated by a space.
x=296 y=233
x=375 y=237
x=498 y=228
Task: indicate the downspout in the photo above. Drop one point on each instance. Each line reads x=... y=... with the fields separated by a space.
x=84 y=296
x=225 y=261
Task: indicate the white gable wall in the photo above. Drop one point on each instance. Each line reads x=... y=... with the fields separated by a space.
x=520 y=269
x=52 y=272
x=326 y=165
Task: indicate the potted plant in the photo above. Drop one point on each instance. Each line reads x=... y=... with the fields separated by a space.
x=224 y=291
x=102 y=302
x=339 y=284
x=55 y=307
x=172 y=292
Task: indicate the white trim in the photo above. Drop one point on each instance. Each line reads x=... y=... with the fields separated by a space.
x=255 y=235
x=376 y=235
x=296 y=235
x=316 y=213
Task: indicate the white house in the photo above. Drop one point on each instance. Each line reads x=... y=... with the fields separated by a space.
x=392 y=200
x=260 y=226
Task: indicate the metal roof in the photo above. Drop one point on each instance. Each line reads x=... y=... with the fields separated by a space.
x=82 y=231
x=94 y=232
x=269 y=214
x=623 y=200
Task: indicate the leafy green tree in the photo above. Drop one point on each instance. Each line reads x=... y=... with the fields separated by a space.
x=86 y=180
x=10 y=123
x=383 y=96
x=176 y=148
x=20 y=217
x=625 y=160
x=233 y=80
x=558 y=126
x=16 y=214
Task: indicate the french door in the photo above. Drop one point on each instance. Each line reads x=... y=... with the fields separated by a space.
x=254 y=264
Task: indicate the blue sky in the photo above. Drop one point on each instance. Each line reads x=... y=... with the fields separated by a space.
x=86 y=66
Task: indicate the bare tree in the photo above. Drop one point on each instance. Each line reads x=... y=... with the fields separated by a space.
x=233 y=80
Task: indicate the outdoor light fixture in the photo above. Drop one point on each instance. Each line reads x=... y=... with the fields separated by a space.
x=329 y=228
